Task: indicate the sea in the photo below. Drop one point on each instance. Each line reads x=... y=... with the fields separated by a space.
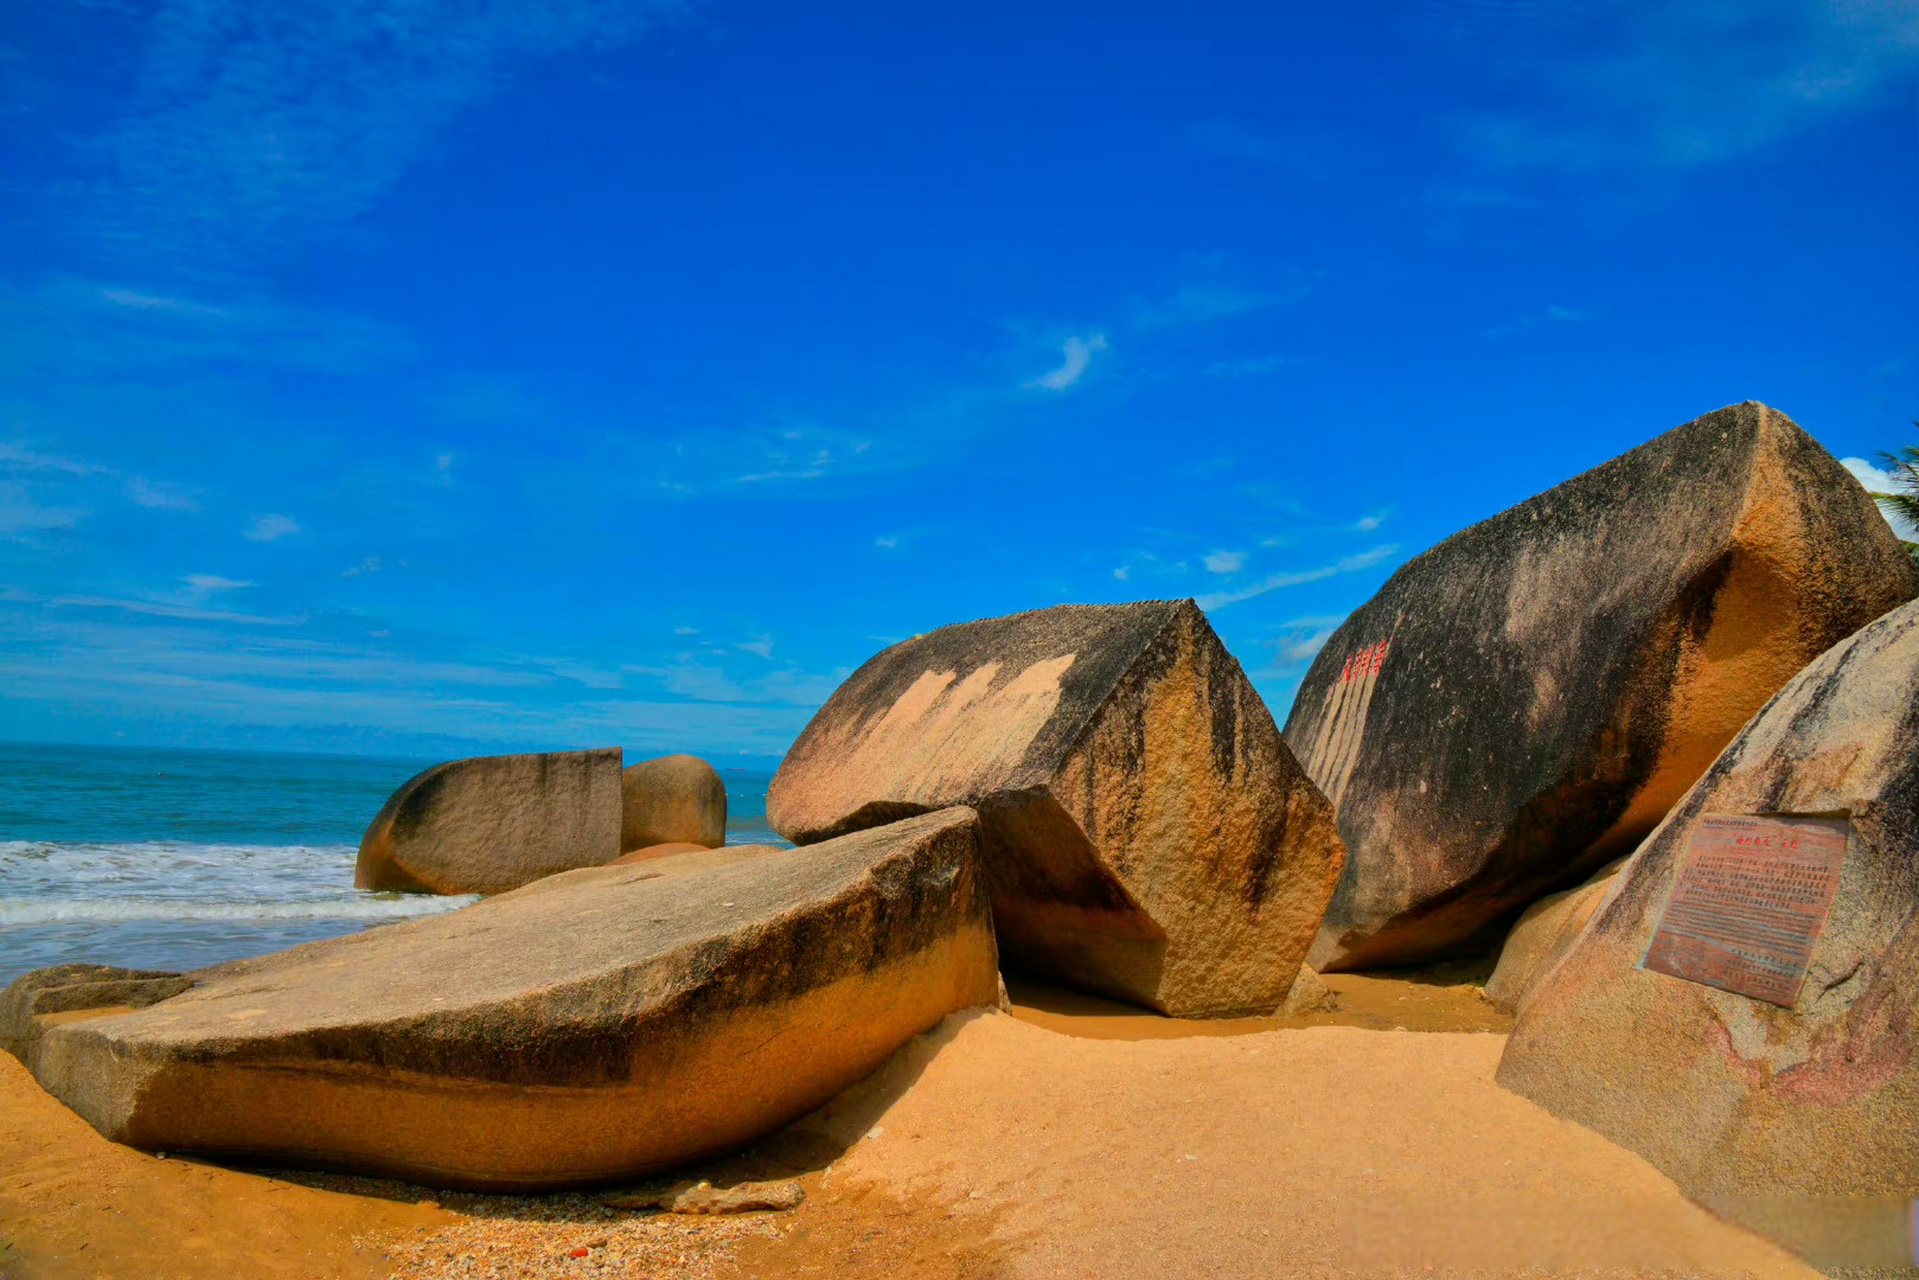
x=177 y=859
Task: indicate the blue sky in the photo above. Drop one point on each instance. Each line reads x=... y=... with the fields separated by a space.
x=433 y=376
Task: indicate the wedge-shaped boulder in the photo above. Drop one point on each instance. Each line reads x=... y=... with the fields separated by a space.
x=1740 y=1100
x=1521 y=704
x=494 y=823
x=1147 y=835
x=678 y=799
x=1544 y=933
x=596 y=1025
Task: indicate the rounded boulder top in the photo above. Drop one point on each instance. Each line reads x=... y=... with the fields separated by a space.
x=492 y=823
x=675 y=799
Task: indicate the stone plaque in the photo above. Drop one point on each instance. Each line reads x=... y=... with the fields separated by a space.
x=1751 y=901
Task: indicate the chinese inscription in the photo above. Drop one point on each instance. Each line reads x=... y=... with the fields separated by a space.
x=1752 y=899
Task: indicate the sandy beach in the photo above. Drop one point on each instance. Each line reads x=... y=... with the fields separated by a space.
x=1073 y=1138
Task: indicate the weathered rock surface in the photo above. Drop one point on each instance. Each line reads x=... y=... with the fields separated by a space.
x=1522 y=703
x=1546 y=930
x=678 y=799
x=1146 y=833
x=597 y=1024
x=1734 y=1097
x=652 y=851
x=493 y=823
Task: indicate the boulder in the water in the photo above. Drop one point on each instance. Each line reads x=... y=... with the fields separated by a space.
x=1521 y=704
x=493 y=823
x=598 y=1024
x=1809 y=1088
x=1147 y=834
x=677 y=799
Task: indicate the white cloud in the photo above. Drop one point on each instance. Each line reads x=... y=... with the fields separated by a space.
x=1368 y=523
x=253 y=130
x=1674 y=84
x=201 y=586
x=1878 y=481
x=1224 y=561
x=22 y=513
x=368 y=564
x=1200 y=303
x=270 y=528
x=889 y=540
x=686 y=631
x=158 y=496
x=1252 y=367
x=1123 y=572
x=1076 y=356
x=19 y=457
x=762 y=645
x=1351 y=564
x=186 y=612
x=1552 y=313
x=1305 y=647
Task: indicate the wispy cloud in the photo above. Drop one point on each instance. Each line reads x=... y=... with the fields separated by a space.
x=1076 y=356
x=17 y=456
x=1349 y=564
x=271 y=528
x=1198 y=304
x=158 y=496
x=254 y=129
x=22 y=514
x=1251 y=367
x=70 y=326
x=203 y=586
x=185 y=612
x=1673 y=84
x=1228 y=137
x=1224 y=561
x=1551 y=314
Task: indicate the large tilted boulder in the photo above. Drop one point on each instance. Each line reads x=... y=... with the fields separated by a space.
x=1147 y=835
x=1810 y=1088
x=677 y=799
x=596 y=1025
x=1522 y=703
x=493 y=823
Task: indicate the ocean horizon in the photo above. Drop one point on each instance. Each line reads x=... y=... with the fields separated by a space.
x=178 y=858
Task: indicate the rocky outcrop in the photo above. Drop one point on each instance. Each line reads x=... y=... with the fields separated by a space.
x=652 y=851
x=493 y=823
x=1146 y=833
x=676 y=799
x=1546 y=930
x=595 y=1025
x=1522 y=703
x=1737 y=1098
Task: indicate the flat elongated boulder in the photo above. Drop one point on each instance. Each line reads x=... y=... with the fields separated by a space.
x=595 y=1025
x=1739 y=1098
x=1146 y=833
x=678 y=799
x=493 y=823
x=1522 y=703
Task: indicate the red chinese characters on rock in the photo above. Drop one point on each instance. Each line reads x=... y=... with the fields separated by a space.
x=1366 y=662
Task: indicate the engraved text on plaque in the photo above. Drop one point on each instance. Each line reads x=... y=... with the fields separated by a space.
x=1752 y=898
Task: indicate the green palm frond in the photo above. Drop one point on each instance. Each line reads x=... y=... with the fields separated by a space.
x=1904 y=503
